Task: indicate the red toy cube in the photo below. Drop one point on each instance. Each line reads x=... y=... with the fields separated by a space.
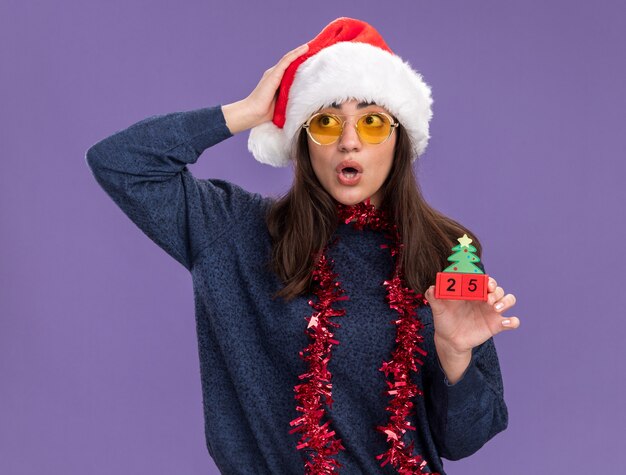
x=474 y=286
x=448 y=285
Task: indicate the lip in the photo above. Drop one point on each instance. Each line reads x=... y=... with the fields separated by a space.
x=349 y=163
x=345 y=180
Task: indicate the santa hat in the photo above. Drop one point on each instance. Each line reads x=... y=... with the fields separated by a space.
x=347 y=60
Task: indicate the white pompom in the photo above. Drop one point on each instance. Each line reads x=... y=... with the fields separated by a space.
x=268 y=144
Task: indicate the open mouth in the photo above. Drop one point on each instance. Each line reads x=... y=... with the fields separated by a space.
x=349 y=166
x=349 y=172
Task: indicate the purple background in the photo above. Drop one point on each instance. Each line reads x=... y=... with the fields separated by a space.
x=99 y=369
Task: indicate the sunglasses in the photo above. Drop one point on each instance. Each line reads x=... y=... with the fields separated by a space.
x=373 y=128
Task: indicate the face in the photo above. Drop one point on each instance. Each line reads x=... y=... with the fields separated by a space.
x=373 y=161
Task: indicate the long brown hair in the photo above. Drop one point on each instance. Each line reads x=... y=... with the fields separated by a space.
x=303 y=221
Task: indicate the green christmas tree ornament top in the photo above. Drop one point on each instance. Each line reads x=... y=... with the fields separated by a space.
x=463 y=279
x=464 y=258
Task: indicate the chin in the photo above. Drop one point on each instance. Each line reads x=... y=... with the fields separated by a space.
x=351 y=200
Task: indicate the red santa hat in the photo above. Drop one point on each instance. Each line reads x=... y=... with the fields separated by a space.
x=347 y=60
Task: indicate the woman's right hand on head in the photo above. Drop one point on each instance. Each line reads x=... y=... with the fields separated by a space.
x=258 y=107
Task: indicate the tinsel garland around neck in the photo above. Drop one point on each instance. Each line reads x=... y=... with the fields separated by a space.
x=317 y=435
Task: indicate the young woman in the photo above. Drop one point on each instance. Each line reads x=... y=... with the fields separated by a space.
x=322 y=346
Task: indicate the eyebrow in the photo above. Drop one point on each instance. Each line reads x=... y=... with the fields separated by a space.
x=360 y=105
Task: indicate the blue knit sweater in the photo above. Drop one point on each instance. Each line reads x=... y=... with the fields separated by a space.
x=248 y=343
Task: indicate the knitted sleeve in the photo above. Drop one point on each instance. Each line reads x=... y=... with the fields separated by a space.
x=465 y=415
x=144 y=170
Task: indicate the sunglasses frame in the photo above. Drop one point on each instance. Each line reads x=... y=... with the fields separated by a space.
x=392 y=121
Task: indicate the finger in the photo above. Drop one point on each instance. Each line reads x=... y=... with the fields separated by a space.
x=505 y=303
x=299 y=50
x=510 y=323
x=494 y=296
x=492 y=284
x=293 y=54
x=433 y=301
x=430 y=293
x=277 y=71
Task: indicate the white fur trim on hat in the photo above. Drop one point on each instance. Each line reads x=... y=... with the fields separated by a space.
x=344 y=71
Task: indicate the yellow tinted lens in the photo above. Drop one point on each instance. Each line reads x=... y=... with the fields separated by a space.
x=325 y=128
x=374 y=128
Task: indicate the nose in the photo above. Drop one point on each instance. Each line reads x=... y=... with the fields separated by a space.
x=349 y=139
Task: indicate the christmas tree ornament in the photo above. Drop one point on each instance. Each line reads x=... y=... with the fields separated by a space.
x=462 y=280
